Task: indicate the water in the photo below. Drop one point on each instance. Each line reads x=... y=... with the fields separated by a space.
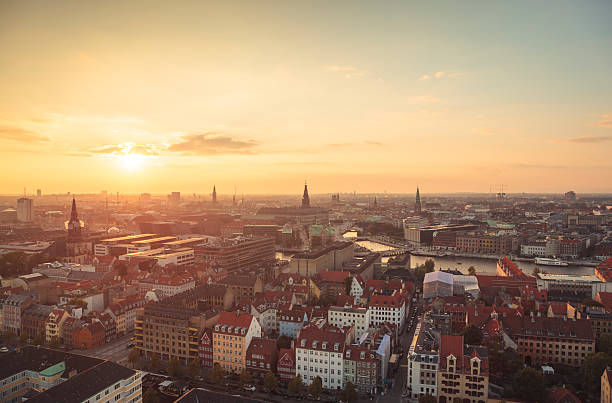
x=374 y=246
x=489 y=266
x=350 y=234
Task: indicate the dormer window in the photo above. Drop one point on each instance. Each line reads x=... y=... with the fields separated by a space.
x=324 y=345
x=451 y=363
x=303 y=343
x=217 y=328
x=314 y=344
x=336 y=346
x=362 y=355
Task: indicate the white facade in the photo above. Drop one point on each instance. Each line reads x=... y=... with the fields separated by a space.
x=311 y=362
x=534 y=250
x=266 y=318
x=341 y=317
x=422 y=367
x=24 y=209
x=356 y=289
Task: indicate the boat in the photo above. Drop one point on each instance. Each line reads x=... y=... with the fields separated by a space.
x=550 y=262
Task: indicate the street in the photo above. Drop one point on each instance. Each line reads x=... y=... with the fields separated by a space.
x=116 y=350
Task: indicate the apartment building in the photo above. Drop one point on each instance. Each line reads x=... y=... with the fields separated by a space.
x=234 y=254
x=360 y=367
x=342 y=316
x=388 y=306
x=423 y=360
x=261 y=357
x=463 y=371
x=232 y=336
x=168 y=285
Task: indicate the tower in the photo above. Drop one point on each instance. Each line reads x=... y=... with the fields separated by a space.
x=214 y=195
x=74 y=225
x=417 y=204
x=305 y=197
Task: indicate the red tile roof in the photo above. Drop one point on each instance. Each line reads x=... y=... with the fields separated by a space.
x=332 y=276
x=242 y=320
x=605 y=298
x=561 y=395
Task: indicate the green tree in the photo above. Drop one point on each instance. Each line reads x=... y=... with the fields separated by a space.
x=270 y=381
x=23 y=338
x=529 y=385
x=472 y=335
x=134 y=356
x=155 y=362
x=605 y=344
x=174 y=367
x=78 y=302
x=427 y=398
x=316 y=387
x=150 y=396
x=471 y=271
x=421 y=270
x=246 y=378
x=592 y=369
x=283 y=341
x=194 y=368
x=296 y=385
x=430 y=265
x=348 y=394
x=216 y=373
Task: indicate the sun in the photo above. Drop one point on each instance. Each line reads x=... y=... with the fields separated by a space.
x=132 y=161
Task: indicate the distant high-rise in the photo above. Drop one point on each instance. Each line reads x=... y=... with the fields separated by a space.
x=214 y=195
x=174 y=198
x=38 y=193
x=305 y=198
x=74 y=225
x=417 y=204
x=24 y=209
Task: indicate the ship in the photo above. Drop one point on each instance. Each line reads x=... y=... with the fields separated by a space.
x=550 y=262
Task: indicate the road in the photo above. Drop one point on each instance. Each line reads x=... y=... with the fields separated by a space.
x=116 y=351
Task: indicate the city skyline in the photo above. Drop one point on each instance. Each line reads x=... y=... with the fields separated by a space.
x=151 y=97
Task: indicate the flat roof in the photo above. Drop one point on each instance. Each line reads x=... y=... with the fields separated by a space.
x=570 y=277
x=158 y=252
x=184 y=241
x=154 y=240
x=128 y=238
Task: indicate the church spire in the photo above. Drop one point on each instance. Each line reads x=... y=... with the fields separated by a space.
x=74 y=225
x=305 y=197
x=417 y=204
x=214 y=195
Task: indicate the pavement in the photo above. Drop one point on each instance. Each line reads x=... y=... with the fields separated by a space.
x=117 y=350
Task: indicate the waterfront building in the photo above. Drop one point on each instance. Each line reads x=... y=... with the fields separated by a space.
x=332 y=257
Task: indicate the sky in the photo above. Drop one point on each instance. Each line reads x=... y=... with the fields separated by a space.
x=258 y=96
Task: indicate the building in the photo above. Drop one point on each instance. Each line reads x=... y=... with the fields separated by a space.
x=261 y=357
x=463 y=371
x=542 y=340
x=90 y=335
x=243 y=286
x=470 y=242
x=388 y=307
x=235 y=254
x=163 y=256
x=437 y=284
x=331 y=283
x=12 y=308
x=291 y=321
x=606 y=386
x=206 y=349
x=24 y=209
x=360 y=367
x=232 y=336
x=54 y=324
x=568 y=287
x=423 y=361
x=332 y=257
x=46 y=375
x=343 y=316
x=319 y=352
x=285 y=367
x=118 y=245
x=419 y=233
x=34 y=320
x=169 y=285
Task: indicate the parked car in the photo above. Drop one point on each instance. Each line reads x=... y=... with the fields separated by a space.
x=4 y=349
x=250 y=388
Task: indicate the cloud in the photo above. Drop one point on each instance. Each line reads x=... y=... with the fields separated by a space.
x=348 y=70
x=356 y=144
x=127 y=148
x=605 y=122
x=21 y=135
x=422 y=99
x=589 y=139
x=441 y=74
x=212 y=144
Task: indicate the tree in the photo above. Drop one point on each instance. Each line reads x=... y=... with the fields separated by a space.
x=605 y=344
x=284 y=341
x=154 y=363
x=134 y=356
x=246 y=378
x=427 y=398
x=38 y=340
x=78 y=302
x=421 y=270
x=316 y=387
x=348 y=394
x=529 y=385
x=174 y=367
x=150 y=396
x=592 y=369
x=472 y=335
x=216 y=373
x=471 y=271
x=430 y=265
x=194 y=368
x=23 y=338
x=296 y=385
x=347 y=285
x=270 y=381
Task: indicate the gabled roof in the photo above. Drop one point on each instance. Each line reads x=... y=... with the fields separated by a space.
x=562 y=395
x=234 y=320
x=332 y=276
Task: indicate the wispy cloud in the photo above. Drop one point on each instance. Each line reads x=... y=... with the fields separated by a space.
x=441 y=74
x=605 y=121
x=212 y=143
x=128 y=148
x=357 y=144
x=422 y=99
x=348 y=71
x=589 y=139
x=18 y=134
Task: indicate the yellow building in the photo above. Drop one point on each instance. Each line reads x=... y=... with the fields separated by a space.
x=53 y=326
x=606 y=392
x=232 y=336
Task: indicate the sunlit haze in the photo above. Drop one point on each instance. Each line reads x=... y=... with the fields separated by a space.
x=145 y=96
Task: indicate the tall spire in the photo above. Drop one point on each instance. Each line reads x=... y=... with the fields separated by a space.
x=214 y=195
x=74 y=225
x=305 y=197
x=417 y=204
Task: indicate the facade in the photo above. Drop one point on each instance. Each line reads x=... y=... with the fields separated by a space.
x=388 y=307
x=243 y=286
x=285 y=367
x=423 y=360
x=34 y=320
x=168 y=285
x=24 y=209
x=206 y=349
x=291 y=321
x=54 y=324
x=331 y=283
x=320 y=352
x=360 y=367
x=332 y=257
x=89 y=336
x=235 y=254
x=232 y=336
x=437 y=284
x=484 y=243
x=261 y=357
x=463 y=371
x=341 y=317
x=12 y=308
x=606 y=386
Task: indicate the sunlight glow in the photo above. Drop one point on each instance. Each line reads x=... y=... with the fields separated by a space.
x=132 y=162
